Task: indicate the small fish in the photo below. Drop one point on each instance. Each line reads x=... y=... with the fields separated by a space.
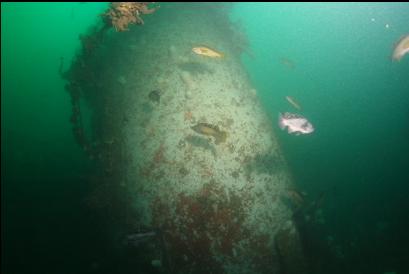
x=154 y=96
x=287 y=62
x=296 y=197
x=295 y=123
x=294 y=103
x=319 y=200
x=205 y=51
x=211 y=130
x=135 y=239
x=401 y=48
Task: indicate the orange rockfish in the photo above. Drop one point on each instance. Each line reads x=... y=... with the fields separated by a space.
x=211 y=130
x=205 y=51
x=401 y=48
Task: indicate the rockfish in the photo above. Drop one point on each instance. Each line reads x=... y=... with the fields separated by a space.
x=288 y=63
x=296 y=197
x=211 y=130
x=205 y=51
x=401 y=48
x=136 y=239
x=295 y=123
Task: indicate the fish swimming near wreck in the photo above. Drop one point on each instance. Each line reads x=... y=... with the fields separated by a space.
x=135 y=239
x=211 y=130
x=296 y=197
x=154 y=96
x=293 y=102
x=295 y=123
x=401 y=48
x=287 y=62
x=208 y=52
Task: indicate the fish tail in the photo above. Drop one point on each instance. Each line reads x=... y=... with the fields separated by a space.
x=221 y=137
x=281 y=121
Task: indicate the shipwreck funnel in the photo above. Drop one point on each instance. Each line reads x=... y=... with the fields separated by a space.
x=189 y=155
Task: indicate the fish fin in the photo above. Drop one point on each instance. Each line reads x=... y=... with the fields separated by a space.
x=281 y=121
x=220 y=138
x=291 y=130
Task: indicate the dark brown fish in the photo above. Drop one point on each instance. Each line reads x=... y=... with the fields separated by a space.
x=154 y=96
x=211 y=130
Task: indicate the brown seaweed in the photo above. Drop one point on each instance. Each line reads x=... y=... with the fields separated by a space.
x=121 y=14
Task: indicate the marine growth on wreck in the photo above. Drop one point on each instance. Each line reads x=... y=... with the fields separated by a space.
x=190 y=162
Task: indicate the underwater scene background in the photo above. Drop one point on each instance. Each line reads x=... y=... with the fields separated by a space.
x=155 y=147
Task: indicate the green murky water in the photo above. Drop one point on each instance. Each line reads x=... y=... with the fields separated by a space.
x=334 y=59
